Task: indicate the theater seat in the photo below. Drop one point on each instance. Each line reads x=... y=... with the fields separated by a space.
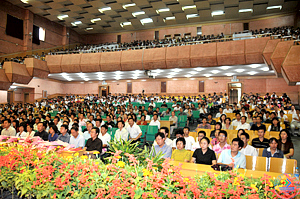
x=282 y=165
x=256 y=163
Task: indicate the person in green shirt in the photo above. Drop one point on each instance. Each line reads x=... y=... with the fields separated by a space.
x=181 y=154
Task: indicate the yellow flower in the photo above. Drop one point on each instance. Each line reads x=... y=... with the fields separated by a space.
x=242 y=175
x=186 y=180
x=271 y=184
x=83 y=157
x=121 y=164
x=118 y=157
x=146 y=172
x=154 y=167
x=76 y=154
x=236 y=181
x=96 y=152
x=254 y=187
x=277 y=188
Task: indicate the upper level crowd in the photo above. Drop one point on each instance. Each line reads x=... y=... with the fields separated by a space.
x=225 y=132
x=286 y=32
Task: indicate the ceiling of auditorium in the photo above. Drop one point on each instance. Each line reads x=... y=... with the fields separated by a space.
x=237 y=70
x=106 y=16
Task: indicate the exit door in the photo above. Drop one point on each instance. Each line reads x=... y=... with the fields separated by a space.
x=235 y=92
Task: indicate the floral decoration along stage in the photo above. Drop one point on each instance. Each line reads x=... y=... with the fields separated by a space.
x=42 y=173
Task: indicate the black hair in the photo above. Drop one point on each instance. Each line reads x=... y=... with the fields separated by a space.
x=288 y=134
x=104 y=126
x=54 y=127
x=246 y=135
x=203 y=132
x=181 y=140
x=162 y=135
x=240 y=142
x=179 y=131
x=244 y=117
x=205 y=138
x=166 y=129
x=273 y=139
x=119 y=122
x=75 y=128
x=97 y=130
x=186 y=127
x=65 y=126
x=218 y=123
x=224 y=132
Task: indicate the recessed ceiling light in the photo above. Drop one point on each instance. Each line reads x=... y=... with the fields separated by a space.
x=192 y=79
x=240 y=70
x=143 y=80
x=173 y=73
x=229 y=74
x=189 y=16
x=146 y=20
x=188 y=7
x=104 y=9
x=138 y=13
x=188 y=76
x=82 y=75
x=89 y=28
x=176 y=70
x=96 y=19
x=217 y=12
x=254 y=65
x=199 y=69
x=225 y=67
x=61 y=17
x=118 y=72
x=162 y=10
x=134 y=77
x=76 y=23
x=128 y=5
x=207 y=75
x=246 y=10
x=24 y=1
x=169 y=18
x=298 y=83
x=265 y=69
x=128 y=81
x=215 y=71
x=252 y=73
x=274 y=7
x=127 y=23
x=193 y=72
x=157 y=70
x=169 y=76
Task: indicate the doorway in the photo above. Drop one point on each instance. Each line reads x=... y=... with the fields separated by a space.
x=10 y=97
x=235 y=92
x=26 y=98
x=103 y=91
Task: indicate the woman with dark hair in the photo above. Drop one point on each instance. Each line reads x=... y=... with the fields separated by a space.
x=285 y=143
x=275 y=126
x=142 y=121
x=227 y=125
x=272 y=151
x=181 y=154
x=204 y=155
x=240 y=131
x=222 y=119
x=218 y=126
x=53 y=133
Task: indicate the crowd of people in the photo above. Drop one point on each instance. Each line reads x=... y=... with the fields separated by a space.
x=86 y=122
x=288 y=32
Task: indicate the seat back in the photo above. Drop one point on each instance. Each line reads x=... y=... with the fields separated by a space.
x=150 y=135
x=256 y=163
x=274 y=134
x=165 y=118
x=282 y=165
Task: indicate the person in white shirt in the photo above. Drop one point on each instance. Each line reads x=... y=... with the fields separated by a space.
x=30 y=131
x=292 y=111
x=8 y=130
x=177 y=108
x=121 y=133
x=203 y=109
x=152 y=104
x=227 y=110
x=295 y=122
x=76 y=139
x=189 y=139
x=196 y=145
x=243 y=124
x=165 y=131
x=247 y=149
x=21 y=132
x=82 y=121
x=104 y=137
x=87 y=132
x=237 y=121
x=155 y=122
x=99 y=123
x=147 y=116
x=218 y=115
x=134 y=131
x=179 y=134
x=243 y=112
